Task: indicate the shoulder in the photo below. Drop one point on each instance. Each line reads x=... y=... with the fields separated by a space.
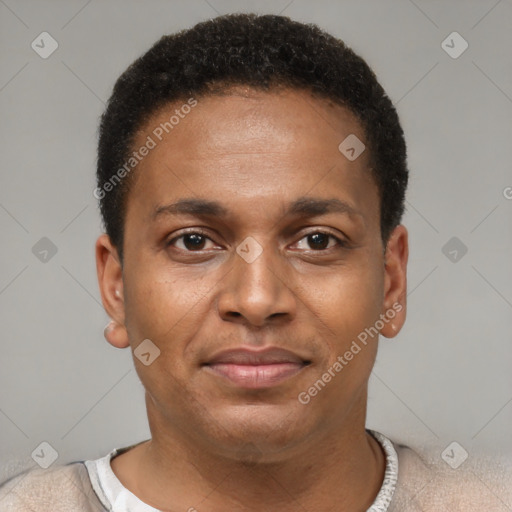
x=64 y=488
x=427 y=483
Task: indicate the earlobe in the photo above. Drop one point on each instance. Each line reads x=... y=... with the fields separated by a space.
x=394 y=319
x=116 y=335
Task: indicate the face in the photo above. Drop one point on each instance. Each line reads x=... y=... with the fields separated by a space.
x=253 y=261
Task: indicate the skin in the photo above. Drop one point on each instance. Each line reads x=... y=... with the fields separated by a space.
x=216 y=446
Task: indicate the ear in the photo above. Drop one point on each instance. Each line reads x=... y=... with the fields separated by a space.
x=395 y=282
x=110 y=280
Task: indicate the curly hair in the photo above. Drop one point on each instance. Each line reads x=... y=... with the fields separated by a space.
x=261 y=51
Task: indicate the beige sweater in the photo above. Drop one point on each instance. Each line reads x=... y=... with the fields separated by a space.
x=421 y=487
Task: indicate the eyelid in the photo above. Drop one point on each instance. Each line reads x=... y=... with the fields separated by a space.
x=189 y=231
x=340 y=242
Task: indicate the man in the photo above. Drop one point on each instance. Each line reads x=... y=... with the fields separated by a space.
x=251 y=176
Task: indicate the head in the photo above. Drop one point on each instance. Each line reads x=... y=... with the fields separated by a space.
x=238 y=216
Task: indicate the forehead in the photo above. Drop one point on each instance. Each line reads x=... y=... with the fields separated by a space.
x=253 y=146
x=244 y=120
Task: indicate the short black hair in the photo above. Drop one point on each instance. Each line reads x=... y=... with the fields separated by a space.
x=262 y=51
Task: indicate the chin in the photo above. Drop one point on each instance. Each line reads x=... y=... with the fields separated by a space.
x=258 y=432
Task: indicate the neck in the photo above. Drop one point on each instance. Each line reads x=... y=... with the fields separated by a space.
x=342 y=470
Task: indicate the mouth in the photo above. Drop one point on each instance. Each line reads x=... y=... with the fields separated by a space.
x=252 y=369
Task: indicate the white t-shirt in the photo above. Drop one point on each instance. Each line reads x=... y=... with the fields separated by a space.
x=117 y=498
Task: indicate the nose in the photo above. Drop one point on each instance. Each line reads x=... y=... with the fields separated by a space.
x=258 y=292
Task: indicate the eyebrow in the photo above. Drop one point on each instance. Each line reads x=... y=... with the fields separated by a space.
x=303 y=206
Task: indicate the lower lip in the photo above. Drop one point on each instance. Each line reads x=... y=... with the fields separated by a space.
x=256 y=376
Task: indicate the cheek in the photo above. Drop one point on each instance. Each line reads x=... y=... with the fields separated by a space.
x=170 y=306
x=345 y=301
x=163 y=306
x=346 y=305
x=166 y=309
x=360 y=299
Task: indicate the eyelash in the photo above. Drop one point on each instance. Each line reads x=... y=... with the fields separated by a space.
x=340 y=243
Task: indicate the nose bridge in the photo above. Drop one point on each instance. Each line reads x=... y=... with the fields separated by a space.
x=256 y=288
x=258 y=263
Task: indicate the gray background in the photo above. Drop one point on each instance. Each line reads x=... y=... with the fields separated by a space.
x=446 y=377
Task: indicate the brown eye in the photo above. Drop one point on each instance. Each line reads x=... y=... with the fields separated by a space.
x=194 y=241
x=319 y=241
x=191 y=242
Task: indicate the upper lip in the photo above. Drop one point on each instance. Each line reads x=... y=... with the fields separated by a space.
x=246 y=356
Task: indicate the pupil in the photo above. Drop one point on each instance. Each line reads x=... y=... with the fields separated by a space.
x=197 y=241
x=316 y=240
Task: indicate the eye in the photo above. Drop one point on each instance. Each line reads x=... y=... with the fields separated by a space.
x=191 y=241
x=319 y=240
x=194 y=241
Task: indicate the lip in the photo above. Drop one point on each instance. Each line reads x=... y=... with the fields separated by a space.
x=251 y=369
